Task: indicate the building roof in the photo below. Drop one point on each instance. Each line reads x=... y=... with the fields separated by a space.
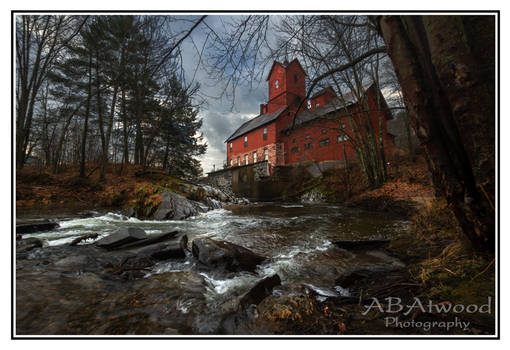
x=334 y=105
x=255 y=123
x=323 y=91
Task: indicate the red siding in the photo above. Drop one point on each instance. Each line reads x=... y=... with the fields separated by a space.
x=255 y=141
x=297 y=139
x=291 y=86
x=295 y=82
x=280 y=146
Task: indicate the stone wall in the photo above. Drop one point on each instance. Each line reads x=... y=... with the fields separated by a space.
x=262 y=182
x=221 y=179
x=240 y=181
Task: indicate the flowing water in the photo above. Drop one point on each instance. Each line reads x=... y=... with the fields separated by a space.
x=296 y=238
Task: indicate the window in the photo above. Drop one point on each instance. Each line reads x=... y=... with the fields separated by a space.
x=265 y=134
x=324 y=131
x=246 y=160
x=231 y=147
x=266 y=154
x=342 y=138
x=309 y=104
x=294 y=150
x=324 y=142
x=307 y=136
x=342 y=126
x=276 y=84
x=308 y=145
x=293 y=140
x=238 y=160
x=245 y=141
x=317 y=105
x=254 y=157
x=231 y=162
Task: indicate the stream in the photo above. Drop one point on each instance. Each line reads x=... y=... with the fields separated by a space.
x=296 y=239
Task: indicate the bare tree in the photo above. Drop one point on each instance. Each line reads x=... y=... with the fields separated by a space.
x=39 y=42
x=445 y=67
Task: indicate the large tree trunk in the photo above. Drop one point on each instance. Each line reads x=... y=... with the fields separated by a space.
x=451 y=113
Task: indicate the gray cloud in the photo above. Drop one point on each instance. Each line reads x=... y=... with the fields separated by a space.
x=221 y=116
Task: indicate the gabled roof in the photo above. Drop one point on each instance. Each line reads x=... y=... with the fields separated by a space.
x=284 y=66
x=255 y=123
x=323 y=91
x=334 y=105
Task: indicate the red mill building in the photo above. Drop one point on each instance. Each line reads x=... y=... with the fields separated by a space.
x=282 y=136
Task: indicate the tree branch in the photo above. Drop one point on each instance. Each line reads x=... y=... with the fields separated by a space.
x=338 y=70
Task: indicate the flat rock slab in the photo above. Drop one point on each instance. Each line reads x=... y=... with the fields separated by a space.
x=38 y=226
x=122 y=237
x=361 y=244
x=163 y=251
x=153 y=239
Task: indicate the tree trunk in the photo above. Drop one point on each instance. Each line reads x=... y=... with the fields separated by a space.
x=423 y=62
x=100 y=119
x=125 y=128
x=86 y=122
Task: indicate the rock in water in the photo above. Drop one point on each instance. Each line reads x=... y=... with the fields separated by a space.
x=153 y=239
x=121 y=237
x=223 y=254
x=260 y=291
x=38 y=226
x=176 y=207
x=163 y=251
x=25 y=245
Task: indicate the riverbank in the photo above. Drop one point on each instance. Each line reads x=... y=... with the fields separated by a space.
x=437 y=265
x=37 y=189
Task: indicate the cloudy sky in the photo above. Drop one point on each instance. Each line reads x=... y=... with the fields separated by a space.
x=221 y=116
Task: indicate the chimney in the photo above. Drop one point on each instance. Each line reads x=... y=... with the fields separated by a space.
x=263 y=108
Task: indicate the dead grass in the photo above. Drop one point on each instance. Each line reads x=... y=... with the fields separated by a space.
x=445 y=265
x=36 y=188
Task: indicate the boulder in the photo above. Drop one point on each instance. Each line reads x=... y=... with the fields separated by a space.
x=25 y=245
x=163 y=251
x=175 y=207
x=37 y=226
x=260 y=291
x=122 y=237
x=361 y=244
x=226 y=255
